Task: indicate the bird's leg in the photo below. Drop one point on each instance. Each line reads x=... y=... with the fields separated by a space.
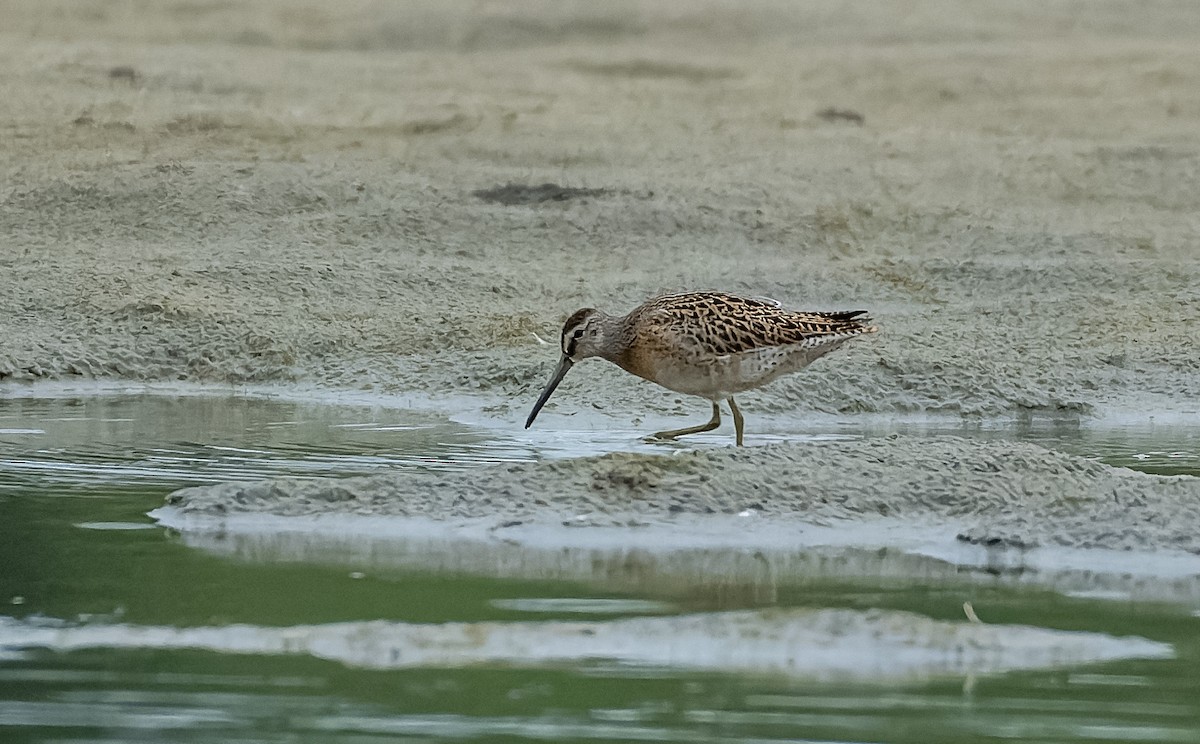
x=712 y=424
x=738 y=423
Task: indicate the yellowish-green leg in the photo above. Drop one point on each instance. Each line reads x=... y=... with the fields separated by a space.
x=738 y=424
x=712 y=424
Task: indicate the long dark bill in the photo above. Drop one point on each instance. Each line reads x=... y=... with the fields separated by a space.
x=564 y=365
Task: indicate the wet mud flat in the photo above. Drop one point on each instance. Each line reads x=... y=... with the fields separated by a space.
x=990 y=493
x=808 y=644
x=408 y=200
x=734 y=525
x=190 y=202
x=202 y=205
x=444 y=556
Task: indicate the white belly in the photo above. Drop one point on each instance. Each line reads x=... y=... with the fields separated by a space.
x=717 y=378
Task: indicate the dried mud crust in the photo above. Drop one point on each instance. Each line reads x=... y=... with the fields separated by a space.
x=1012 y=494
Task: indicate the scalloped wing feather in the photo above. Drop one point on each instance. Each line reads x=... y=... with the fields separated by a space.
x=716 y=324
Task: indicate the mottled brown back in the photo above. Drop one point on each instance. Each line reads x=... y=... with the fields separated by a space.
x=718 y=323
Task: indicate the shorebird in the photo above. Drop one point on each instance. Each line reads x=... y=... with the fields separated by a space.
x=708 y=344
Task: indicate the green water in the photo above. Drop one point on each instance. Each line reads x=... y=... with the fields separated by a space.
x=77 y=477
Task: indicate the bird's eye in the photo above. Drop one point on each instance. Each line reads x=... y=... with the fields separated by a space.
x=577 y=334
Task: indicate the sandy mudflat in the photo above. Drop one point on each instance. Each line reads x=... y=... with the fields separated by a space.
x=1015 y=495
x=298 y=191
x=830 y=644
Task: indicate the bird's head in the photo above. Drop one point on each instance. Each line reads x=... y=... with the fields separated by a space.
x=583 y=335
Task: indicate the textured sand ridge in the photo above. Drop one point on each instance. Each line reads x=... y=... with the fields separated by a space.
x=1012 y=494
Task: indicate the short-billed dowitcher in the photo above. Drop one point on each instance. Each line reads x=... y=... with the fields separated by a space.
x=708 y=344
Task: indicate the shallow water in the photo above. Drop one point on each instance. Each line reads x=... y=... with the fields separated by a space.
x=77 y=476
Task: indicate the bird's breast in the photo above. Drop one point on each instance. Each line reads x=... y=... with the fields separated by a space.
x=711 y=377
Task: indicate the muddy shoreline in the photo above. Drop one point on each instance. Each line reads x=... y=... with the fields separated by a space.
x=994 y=494
x=826 y=644
x=205 y=209
x=336 y=200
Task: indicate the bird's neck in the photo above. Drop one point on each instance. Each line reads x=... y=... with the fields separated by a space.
x=616 y=335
